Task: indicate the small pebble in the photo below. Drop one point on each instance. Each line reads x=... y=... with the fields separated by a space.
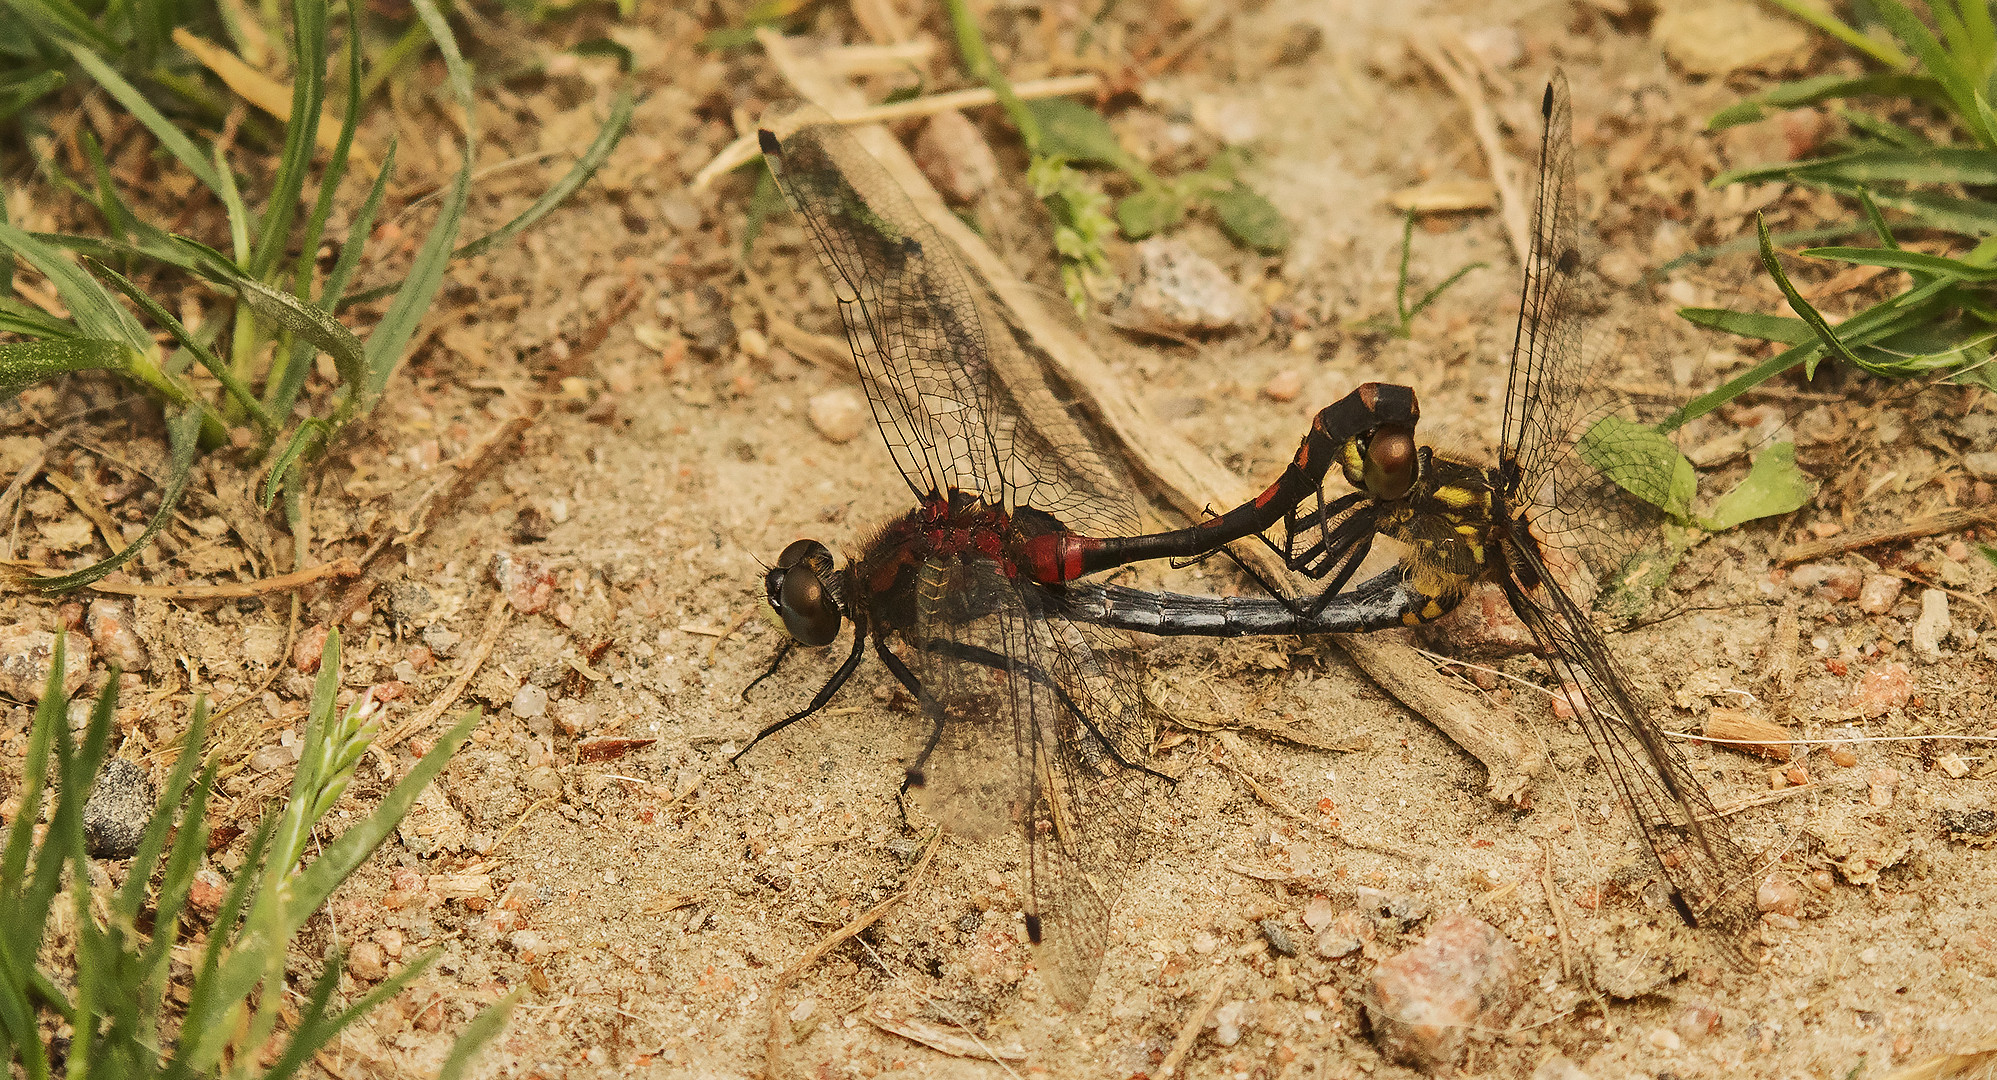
x=1879 y=593
x=1779 y=921
x=529 y=701
x=1982 y=464
x=1952 y=766
x=206 y=892
x=111 y=631
x=1696 y=1021
x=1424 y=1002
x=367 y=962
x=1887 y=686
x=1822 y=881
x=953 y=155
x=1833 y=581
x=1880 y=784
x=1230 y=1019
x=544 y=782
x=840 y=414
x=1318 y=913
x=1666 y=1039
x=1931 y=627
x=1796 y=775
x=1842 y=758
x=27 y=655
x=1285 y=385
x=1777 y=895
x=529 y=584
x=1559 y=1067
x=118 y=810
x=1205 y=943
x=1181 y=290
x=1278 y=938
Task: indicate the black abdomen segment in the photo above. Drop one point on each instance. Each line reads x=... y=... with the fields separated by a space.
x=1065 y=557
x=1380 y=602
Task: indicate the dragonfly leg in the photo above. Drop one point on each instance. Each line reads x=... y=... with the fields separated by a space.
x=775 y=663
x=930 y=708
x=818 y=700
x=987 y=658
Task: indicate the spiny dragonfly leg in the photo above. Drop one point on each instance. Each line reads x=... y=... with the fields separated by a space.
x=818 y=700
x=775 y=663
x=987 y=658
x=930 y=708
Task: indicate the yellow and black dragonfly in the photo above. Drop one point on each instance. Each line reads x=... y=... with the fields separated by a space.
x=1573 y=496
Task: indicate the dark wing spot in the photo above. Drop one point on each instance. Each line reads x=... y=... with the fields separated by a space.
x=911 y=248
x=1546 y=102
x=1569 y=260
x=1033 y=928
x=766 y=139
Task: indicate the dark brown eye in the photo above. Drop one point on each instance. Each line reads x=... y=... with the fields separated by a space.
x=797 y=590
x=1390 y=463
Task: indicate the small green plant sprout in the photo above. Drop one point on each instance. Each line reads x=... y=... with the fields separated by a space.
x=1401 y=323
x=1059 y=134
x=1943 y=324
x=121 y=1006
x=279 y=312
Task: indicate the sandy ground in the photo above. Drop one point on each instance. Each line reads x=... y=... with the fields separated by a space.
x=649 y=901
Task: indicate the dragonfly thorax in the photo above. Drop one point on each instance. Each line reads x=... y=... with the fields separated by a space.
x=803 y=589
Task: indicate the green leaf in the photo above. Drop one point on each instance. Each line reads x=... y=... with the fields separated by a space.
x=426 y=272
x=1914 y=261
x=1782 y=328
x=301 y=136
x=1251 y=220
x=1821 y=88
x=1640 y=460
x=1927 y=165
x=171 y=137
x=1147 y=213
x=1077 y=133
x=1774 y=485
x=25 y=363
x=310 y=321
x=30 y=321
x=1800 y=306
x=95 y=311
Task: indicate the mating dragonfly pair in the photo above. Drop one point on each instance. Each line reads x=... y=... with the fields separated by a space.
x=975 y=600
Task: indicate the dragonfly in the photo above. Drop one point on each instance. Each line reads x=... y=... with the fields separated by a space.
x=1036 y=721
x=1573 y=496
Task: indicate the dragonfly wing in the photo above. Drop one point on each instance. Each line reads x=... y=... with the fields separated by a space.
x=911 y=316
x=1708 y=872
x=960 y=392
x=1045 y=732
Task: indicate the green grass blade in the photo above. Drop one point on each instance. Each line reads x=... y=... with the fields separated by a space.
x=1822 y=19
x=209 y=360
x=117 y=218
x=1780 y=328
x=1812 y=91
x=25 y=363
x=175 y=141
x=301 y=136
x=1962 y=93
x=1800 y=306
x=1912 y=261
x=58 y=19
x=29 y=320
x=345 y=855
x=317 y=1029
x=310 y=321
x=1971 y=217
x=311 y=433
x=1876 y=219
x=1930 y=165
x=426 y=272
x=153 y=840
x=484 y=1027
x=183 y=436
x=357 y=235
x=91 y=306
x=232 y=201
x=607 y=137
x=336 y=165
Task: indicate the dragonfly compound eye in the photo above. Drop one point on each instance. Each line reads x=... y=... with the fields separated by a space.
x=810 y=611
x=1390 y=463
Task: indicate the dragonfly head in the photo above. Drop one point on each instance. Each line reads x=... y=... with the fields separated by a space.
x=1386 y=464
x=803 y=590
